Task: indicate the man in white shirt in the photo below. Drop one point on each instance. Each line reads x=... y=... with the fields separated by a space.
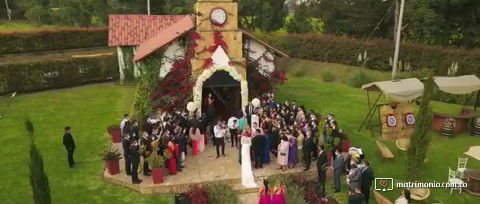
x=233 y=127
x=220 y=130
x=124 y=122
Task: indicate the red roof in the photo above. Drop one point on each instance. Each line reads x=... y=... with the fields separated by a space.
x=164 y=37
x=129 y=30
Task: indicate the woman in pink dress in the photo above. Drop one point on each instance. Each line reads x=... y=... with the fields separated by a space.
x=279 y=194
x=265 y=194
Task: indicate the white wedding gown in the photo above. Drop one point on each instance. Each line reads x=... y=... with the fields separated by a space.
x=247 y=174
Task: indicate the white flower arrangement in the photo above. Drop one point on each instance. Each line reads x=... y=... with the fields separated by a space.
x=207 y=73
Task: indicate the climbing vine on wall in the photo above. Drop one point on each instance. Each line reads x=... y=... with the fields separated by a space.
x=175 y=89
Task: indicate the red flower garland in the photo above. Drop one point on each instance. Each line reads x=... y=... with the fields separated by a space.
x=217 y=41
x=207 y=63
x=173 y=90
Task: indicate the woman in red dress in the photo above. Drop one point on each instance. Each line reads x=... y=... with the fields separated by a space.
x=172 y=165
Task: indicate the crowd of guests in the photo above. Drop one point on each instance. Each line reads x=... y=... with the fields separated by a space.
x=285 y=130
x=166 y=134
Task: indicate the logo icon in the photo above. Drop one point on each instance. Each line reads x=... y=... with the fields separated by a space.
x=383 y=184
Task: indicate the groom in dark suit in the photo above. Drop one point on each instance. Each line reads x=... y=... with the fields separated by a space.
x=308 y=148
x=366 y=179
x=258 y=144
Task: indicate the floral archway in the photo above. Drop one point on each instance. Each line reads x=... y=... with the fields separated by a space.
x=207 y=73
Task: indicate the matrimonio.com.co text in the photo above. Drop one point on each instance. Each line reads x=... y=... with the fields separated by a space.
x=430 y=185
x=387 y=184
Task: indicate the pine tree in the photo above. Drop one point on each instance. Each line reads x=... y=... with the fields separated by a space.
x=38 y=177
x=420 y=140
x=300 y=22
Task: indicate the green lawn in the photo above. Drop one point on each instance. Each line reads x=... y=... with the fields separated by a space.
x=349 y=106
x=88 y=110
x=19 y=26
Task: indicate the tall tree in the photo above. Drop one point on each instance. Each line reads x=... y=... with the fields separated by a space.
x=267 y=15
x=38 y=177
x=420 y=140
x=352 y=17
x=178 y=7
x=300 y=22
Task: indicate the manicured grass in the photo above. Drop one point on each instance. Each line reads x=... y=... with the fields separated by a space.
x=314 y=69
x=88 y=110
x=18 y=26
x=350 y=106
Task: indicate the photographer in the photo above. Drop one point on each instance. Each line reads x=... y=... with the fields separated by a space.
x=220 y=131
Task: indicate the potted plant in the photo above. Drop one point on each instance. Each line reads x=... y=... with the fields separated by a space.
x=157 y=163
x=112 y=158
x=345 y=143
x=448 y=127
x=115 y=132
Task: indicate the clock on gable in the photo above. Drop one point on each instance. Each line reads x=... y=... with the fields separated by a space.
x=218 y=16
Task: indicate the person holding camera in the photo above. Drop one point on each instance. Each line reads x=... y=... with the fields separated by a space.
x=220 y=130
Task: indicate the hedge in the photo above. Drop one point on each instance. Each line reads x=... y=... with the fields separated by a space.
x=49 y=74
x=345 y=50
x=48 y=40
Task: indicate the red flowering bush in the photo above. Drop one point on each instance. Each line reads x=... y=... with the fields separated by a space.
x=258 y=83
x=198 y=194
x=175 y=89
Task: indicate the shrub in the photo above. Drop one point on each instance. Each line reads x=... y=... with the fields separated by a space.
x=111 y=154
x=328 y=76
x=420 y=74
x=198 y=194
x=47 y=40
x=358 y=79
x=38 y=176
x=219 y=193
x=300 y=72
x=345 y=50
x=58 y=73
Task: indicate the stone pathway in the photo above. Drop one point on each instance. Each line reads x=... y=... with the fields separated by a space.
x=203 y=168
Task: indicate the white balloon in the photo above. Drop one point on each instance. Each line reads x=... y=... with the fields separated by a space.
x=256 y=102
x=191 y=106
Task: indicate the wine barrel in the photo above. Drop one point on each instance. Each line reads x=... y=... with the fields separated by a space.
x=476 y=128
x=447 y=131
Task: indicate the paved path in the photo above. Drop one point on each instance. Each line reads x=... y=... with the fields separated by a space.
x=203 y=168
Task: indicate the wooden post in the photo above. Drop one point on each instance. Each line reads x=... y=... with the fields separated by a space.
x=370 y=113
x=9 y=12
x=121 y=63
x=477 y=101
x=398 y=39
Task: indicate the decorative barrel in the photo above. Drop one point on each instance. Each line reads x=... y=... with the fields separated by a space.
x=476 y=127
x=448 y=128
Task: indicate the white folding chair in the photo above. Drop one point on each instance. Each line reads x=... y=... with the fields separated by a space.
x=454 y=181
x=462 y=164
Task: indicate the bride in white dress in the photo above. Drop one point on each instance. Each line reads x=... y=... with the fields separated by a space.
x=247 y=174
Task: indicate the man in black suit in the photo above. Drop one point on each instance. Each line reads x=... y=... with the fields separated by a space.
x=322 y=165
x=308 y=148
x=126 y=155
x=335 y=131
x=356 y=197
x=258 y=143
x=134 y=132
x=294 y=108
x=69 y=145
x=145 y=141
x=249 y=111
x=135 y=159
x=366 y=179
